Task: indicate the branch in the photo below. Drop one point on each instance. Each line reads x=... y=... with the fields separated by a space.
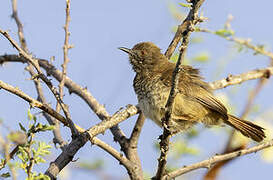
x=258 y=49
x=66 y=60
x=182 y=28
x=56 y=132
x=67 y=156
x=5 y=146
x=130 y=148
x=117 y=155
x=217 y=158
x=73 y=87
x=238 y=79
x=81 y=92
x=118 y=117
x=19 y=25
x=188 y=23
x=35 y=63
x=33 y=102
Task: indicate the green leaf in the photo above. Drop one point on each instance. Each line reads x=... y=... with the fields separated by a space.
x=22 y=127
x=39 y=160
x=29 y=115
x=41 y=176
x=224 y=32
x=5 y=175
x=43 y=149
x=185 y=5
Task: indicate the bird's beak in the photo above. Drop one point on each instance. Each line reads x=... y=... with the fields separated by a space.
x=127 y=50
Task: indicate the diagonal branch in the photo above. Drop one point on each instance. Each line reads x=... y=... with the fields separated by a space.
x=64 y=65
x=217 y=158
x=78 y=141
x=238 y=79
x=82 y=93
x=56 y=132
x=188 y=23
x=35 y=63
x=257 y=49
x=182 y=28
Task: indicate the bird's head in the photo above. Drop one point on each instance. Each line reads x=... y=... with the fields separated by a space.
x=144 y=56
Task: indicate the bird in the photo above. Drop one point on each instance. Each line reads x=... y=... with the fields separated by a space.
x=194 y=102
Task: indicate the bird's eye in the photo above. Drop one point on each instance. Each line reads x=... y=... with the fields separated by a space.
x=143 y=52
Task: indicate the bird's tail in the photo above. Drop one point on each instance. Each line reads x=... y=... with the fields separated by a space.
x=247 y=128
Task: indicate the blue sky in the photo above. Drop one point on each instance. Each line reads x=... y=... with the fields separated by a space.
x=97 y=29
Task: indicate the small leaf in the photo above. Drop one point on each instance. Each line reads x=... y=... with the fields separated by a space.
x=185 y=5
x=224 y=32
x=29 y=115
x=5 y=175
x=22 y=127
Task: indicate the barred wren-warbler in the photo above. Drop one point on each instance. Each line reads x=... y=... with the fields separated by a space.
x=194 y=102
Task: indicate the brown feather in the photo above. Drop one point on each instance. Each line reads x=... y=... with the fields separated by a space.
x=247 y=128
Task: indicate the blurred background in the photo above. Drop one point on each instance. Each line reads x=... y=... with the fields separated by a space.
x=97 y=29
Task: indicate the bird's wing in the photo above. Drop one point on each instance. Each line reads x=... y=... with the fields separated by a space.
x=212 y=103
x=192 y=86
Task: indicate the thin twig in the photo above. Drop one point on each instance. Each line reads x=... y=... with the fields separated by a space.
x=117 y=155
x=66 y=60
x=246 y=43
x=217 y=158
x=238 y=79
x=33 y=102
x=191 y=19
x=184 y=27
x=56 y=131
x=35 y=63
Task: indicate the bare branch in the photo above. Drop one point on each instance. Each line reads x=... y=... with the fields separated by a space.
x=57 y=134
x=33 y=102
x=137 y=130
x=19 y=25
x=66 y=156
x=246 y=43
x=117 y=155
x=130 y=148
x=237 y=79
x=84 y=94
x=66 y=60
x=184 y=26
x=217 y=158
x=68 y=153
x=188 y=23
x=114 y=120
x=36 y=65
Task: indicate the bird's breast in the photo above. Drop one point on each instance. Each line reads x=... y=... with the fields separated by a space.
x=152 y=96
